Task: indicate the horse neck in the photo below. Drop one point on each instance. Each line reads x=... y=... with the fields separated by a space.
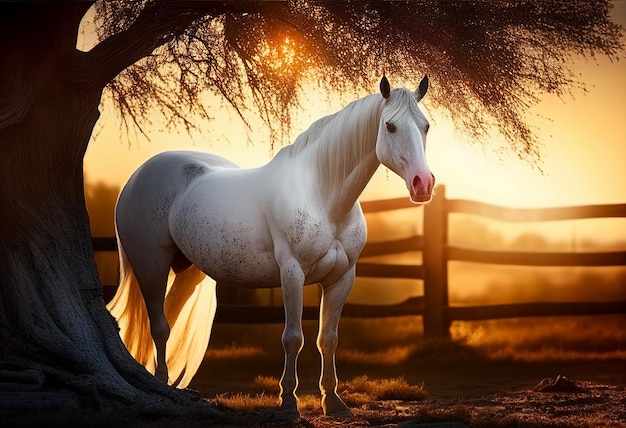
x=345 y=155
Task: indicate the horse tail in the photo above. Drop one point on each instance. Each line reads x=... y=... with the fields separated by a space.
x=190 y=306
x=129 y=309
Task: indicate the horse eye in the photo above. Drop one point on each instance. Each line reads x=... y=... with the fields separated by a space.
x=390 y=127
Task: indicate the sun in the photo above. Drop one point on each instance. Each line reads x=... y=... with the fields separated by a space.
x=288 y=51
x=285 y=54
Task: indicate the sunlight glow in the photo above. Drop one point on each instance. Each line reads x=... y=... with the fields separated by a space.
x=284 y=54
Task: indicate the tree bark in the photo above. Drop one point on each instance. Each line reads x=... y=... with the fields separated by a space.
x=59 y=346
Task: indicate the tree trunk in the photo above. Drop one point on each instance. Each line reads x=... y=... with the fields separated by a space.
x=59 y=346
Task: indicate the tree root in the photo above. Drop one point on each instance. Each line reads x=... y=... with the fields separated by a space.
x=36 y=380
x=28 y=391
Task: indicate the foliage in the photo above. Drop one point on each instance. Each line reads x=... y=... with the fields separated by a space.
x=489 y=61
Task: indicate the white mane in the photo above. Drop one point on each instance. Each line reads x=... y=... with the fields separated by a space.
x=338 y=142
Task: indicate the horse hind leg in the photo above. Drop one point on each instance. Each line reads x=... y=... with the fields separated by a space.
x=187 y=276
x=151 y=271
x=190 y=306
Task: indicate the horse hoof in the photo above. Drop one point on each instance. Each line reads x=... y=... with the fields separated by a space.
x=334 y=407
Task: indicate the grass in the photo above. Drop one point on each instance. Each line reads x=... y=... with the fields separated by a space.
x=384 y=357
x=356 y=392
x=232 y=351
x=362 y=390
x=394 y=341
x=546 y=339
x=266 y=384
x=479 y=357
x=248 y=402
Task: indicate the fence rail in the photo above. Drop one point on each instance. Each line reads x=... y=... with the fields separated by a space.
x=434 y=306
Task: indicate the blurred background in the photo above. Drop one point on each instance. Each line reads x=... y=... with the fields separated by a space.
x=583 y=156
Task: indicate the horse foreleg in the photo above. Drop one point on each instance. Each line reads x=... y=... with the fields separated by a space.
x=292 y=281
x=333 y=299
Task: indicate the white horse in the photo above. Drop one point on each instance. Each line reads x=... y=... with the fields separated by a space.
x=295 y=221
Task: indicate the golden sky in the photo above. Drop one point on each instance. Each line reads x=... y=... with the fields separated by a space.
x=583 y=138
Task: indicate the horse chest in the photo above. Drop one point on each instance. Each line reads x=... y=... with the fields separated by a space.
x=325 y=250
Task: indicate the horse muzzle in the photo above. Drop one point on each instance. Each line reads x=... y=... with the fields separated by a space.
x=421 y=188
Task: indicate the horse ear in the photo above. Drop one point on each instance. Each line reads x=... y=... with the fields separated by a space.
x=421 y=90
x=385 y=88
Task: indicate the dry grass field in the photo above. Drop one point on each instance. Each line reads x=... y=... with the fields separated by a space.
x=390 y=375
x=483 y=376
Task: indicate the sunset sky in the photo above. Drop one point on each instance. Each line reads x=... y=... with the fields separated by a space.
x=583 y=138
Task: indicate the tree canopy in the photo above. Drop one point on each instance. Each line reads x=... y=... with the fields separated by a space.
x=489 y=61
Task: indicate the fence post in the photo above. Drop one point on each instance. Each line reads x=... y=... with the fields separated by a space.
x=436 y=321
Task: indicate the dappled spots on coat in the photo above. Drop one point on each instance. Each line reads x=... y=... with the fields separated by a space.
x=193 y=170
x=234 y=253
x=161 y=210
x=186 y=226
x=303 y=227
x=225 y=248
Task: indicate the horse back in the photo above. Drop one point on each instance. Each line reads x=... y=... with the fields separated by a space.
x=143 y=206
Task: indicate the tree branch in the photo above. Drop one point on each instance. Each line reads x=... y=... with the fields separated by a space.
x=156 y=25
x=341 y=44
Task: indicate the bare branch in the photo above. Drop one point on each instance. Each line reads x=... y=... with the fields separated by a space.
x=489 y=61
x=154 y=26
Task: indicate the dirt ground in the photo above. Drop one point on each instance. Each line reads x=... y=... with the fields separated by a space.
x=462 y=393
x=465 y=385
x=470 y=381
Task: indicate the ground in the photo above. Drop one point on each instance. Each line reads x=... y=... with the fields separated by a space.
x=469 y=392
x=485 y=375
x=475 y=379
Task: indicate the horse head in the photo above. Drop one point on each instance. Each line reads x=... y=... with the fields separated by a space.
x=401 y=141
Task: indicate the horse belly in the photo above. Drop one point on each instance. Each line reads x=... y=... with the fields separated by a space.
x=239 y=262
x=232 y=248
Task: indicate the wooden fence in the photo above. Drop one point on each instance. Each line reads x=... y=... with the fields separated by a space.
x=433 y=306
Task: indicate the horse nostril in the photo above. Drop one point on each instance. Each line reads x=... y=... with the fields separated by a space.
x=417 y=181
x=419 y=184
